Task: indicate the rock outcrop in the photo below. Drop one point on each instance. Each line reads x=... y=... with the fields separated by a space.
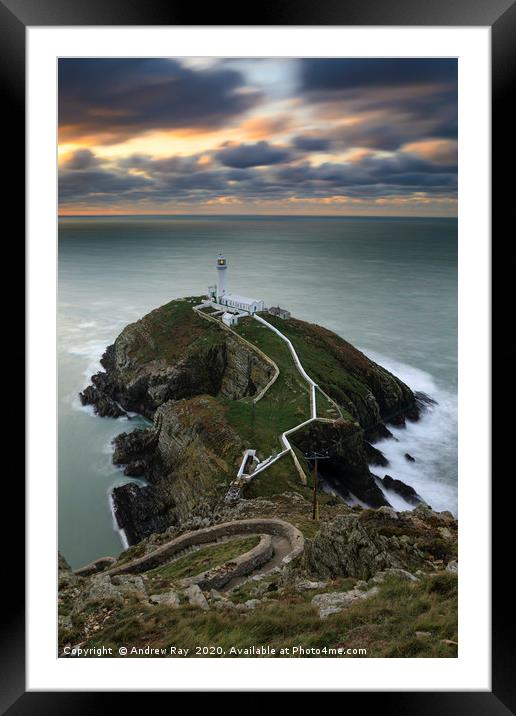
x=346 y=468
x=335 y=602
x=406 y=491
x=361 y=545
x=187 y=457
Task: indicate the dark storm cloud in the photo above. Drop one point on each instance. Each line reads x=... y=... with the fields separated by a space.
x=394 y=100
x=260 y=154
x=343 y=75
x=81 y=159
x=117 y=98
x=390 y=131
x=170 y=179
x=93 y=183
x=168 y=165
x=311 y=143
x=406 y=171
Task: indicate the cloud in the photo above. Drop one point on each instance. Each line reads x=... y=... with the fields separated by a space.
x=347 y=131
x=184 y=180
x=264 y=127
x=382 y=103
x=113 y=99
x=311 y=143
x=80 y=159
x=438 y=151
x=166 y=165
x=260 y=154
x=326 y=76
x=77 y=185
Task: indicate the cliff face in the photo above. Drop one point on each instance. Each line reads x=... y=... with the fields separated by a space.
x=188 y=456
x=172 y=354
x=187 y=373
x=346 y=467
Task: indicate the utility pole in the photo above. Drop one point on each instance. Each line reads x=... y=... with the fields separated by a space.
x=316 y=456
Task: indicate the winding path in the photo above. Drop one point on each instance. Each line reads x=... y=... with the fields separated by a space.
x=280 y=543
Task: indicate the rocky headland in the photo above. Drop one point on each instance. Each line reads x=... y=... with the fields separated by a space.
x=259 y=569
x=196 y=381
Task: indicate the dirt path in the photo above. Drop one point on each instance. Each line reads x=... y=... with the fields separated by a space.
x=281 y=547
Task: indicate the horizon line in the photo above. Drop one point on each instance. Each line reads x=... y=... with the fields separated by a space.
x=289 y=216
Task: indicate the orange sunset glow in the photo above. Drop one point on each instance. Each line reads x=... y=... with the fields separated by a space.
x=258 y=136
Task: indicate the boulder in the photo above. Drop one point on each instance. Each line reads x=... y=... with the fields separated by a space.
x=65 y=622
x=196 y=598
x=100 y=588
x=334 y=602
x=380 y=577
x=224 y=605
x=129 y=583
x=168 y=599
x=307 y=584
x=452 y=566
x=388 y=512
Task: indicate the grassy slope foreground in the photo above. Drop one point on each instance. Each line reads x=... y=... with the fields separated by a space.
x=408 y=614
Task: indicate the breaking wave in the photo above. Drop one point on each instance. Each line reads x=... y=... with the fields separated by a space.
x=432 y=441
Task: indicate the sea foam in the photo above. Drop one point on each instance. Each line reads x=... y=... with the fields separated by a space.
x=432 y=441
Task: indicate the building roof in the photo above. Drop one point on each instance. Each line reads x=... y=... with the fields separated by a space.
x=241 y=299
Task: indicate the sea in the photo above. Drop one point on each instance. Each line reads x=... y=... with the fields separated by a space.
x=387 y=285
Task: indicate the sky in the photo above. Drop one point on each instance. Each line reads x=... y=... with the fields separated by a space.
x=307 y=136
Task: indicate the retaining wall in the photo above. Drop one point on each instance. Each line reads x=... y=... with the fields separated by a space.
x=97 y=566
x=264 y=526
x=241 y=566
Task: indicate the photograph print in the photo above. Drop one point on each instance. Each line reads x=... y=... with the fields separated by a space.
x=257 y=346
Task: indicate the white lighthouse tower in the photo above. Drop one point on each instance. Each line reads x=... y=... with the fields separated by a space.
x=232 y=306
x=222 y=276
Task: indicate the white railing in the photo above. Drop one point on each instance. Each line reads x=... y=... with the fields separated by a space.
x=299 y=366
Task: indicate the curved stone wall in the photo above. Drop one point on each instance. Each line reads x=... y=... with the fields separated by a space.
x=242 y=565
x=271 y=526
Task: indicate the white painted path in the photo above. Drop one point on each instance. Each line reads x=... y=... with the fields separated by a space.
x=312 y=385
x=235 y=488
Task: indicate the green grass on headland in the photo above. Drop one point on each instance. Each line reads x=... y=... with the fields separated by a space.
x=284 y=405
x=160 y=578
x=319 y=361
x=170 y=330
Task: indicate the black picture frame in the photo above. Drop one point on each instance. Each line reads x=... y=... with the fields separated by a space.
x=500 y=15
